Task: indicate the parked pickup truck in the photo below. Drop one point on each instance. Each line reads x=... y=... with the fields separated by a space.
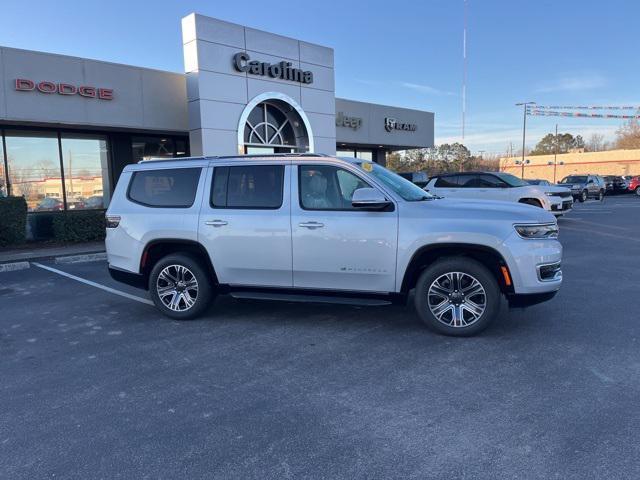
x=322 y=229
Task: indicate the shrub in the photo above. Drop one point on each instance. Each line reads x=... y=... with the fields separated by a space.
x=13 y=220
x=79 y=226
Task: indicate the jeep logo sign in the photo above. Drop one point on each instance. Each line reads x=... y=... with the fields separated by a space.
x=391 y=124
x=343 y=120
x=26 y=85
x=282 y=70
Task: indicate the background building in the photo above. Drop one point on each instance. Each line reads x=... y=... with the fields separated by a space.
x=68 y=125
x=555 y=168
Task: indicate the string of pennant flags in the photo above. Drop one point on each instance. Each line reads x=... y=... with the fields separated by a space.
x=587 y=107
x=553 y=113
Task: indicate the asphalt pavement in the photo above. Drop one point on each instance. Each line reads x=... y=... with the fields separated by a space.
x=97 y=384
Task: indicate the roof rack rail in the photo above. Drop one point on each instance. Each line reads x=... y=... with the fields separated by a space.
x=271 y=155
x=257 y=155
x=168 y=159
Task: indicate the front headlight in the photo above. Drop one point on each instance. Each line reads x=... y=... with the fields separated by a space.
x=549 y=194
x=539 y=231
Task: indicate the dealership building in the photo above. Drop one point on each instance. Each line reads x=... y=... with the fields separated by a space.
x=69 y=125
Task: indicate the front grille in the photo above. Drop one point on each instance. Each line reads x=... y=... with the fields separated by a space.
x=550 y=271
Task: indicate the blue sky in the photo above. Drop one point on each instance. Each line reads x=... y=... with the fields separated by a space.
x=398 y=53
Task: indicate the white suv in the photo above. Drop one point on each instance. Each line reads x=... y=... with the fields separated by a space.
x=502 y=187
x=319 y=228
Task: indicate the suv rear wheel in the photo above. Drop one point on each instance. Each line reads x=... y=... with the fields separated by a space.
x=457 y=296
x=637 y=190
x=179 y=287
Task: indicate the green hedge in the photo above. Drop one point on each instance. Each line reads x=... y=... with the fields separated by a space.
x=13 y=220
x=79 y=226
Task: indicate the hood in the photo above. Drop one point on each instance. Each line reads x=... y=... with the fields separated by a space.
x=556 y=188
x=490 y=210
x=572 y=185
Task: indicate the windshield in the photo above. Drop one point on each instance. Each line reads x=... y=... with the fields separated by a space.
x=511 y=180
x=401 y=186
x=574 y=179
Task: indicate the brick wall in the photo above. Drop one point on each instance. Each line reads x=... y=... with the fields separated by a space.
x=612 y=162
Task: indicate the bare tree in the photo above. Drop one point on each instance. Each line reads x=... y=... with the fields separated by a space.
x=628 y=135
x=596 y=143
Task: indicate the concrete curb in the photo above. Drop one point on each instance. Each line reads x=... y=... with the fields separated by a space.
x=84 y=258
x=14 y=266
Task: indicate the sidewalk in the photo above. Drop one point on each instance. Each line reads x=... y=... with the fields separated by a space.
x=42 y=252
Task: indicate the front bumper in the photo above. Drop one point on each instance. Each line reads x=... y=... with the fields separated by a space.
x=527 y=300
x=526 y=259
x=561 y=205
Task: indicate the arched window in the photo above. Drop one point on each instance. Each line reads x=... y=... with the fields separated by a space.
x=274 y=126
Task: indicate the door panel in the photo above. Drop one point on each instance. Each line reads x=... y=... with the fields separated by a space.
x=335 y=246
x=245 y=224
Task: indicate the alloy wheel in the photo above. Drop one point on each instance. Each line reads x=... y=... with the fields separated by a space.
x=457 y=299
x=177 y=288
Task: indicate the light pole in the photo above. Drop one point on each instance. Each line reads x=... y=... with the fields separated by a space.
x=524 y=106
x=555 y=156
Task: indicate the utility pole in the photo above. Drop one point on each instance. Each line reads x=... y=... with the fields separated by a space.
x=524 y=106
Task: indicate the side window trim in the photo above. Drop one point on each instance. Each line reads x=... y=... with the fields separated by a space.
x=226 y=187
x=149 y=205
x=337 y=168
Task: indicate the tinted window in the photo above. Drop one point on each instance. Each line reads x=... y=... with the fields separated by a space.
x=511 y=180
x=324 y=187
x=248 y=187
x=467 y=181
x=574 y=179
x=446 y=182
x=165 y=188
x=489 y=181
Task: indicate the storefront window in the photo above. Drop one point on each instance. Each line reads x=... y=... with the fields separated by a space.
x=145 y=148
x=85 y=161
x=34 y=169
x=364 y=155
x=181 y=148
x=346 y=153
x=356 y=153
x=3 y=177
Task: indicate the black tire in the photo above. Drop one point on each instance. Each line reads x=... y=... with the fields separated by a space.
x=204 y=291
x=637 y=191
x=601 y=196
x=469 y=267
x=583 y=196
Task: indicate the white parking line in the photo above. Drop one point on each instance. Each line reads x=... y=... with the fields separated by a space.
x=94 y=284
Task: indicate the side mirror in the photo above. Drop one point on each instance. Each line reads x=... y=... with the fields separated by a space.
x=369 y=199
x=590 y=181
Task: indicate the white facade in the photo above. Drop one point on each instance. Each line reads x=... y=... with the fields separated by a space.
x=220 y=96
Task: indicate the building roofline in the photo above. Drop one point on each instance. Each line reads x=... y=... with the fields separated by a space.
x=75 y=57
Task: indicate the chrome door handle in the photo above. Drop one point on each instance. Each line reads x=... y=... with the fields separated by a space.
x=311 y=225
x=216 y=223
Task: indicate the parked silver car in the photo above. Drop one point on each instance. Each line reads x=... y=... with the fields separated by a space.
x=319 y=228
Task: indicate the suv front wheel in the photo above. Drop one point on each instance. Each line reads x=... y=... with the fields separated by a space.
x=179 y=287
x=457 y=296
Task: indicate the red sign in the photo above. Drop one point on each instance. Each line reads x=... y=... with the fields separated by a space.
x=25 y=85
